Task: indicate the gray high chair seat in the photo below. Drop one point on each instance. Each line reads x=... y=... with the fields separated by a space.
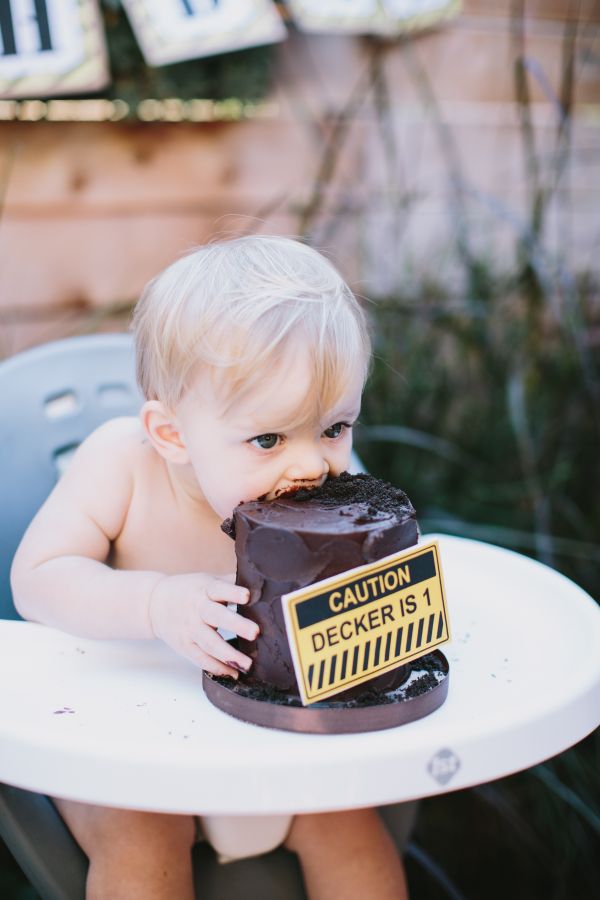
x=53 y=396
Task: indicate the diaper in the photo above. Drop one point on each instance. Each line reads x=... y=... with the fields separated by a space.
x=237 y=837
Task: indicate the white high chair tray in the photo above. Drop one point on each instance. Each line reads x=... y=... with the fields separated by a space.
x=125 y=723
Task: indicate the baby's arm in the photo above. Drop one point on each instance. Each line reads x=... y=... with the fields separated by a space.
x=60 y=576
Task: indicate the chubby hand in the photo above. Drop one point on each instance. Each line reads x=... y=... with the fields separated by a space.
x=185 y=612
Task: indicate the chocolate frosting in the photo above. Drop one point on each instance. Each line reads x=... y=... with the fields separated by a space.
x=297 y=539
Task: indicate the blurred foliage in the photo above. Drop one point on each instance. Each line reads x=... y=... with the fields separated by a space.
x=243 y=74
x=13 y=883
x=499 y=416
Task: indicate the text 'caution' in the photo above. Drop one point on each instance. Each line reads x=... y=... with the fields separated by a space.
x=347 y=629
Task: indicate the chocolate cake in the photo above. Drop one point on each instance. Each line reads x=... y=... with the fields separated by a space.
x=303 y=537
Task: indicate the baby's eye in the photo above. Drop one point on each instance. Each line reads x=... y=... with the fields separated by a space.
x=265 y=441
x=334 y=431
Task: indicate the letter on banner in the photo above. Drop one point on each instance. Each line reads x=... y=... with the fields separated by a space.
x=169 y=31
x=50 y=47
x=383 y=17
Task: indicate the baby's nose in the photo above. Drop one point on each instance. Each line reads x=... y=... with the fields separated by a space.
x=308 y=465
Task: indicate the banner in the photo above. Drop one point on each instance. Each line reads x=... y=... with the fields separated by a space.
x=170 y=31
x=51 y=47
x=381 y=17
x=56 y=47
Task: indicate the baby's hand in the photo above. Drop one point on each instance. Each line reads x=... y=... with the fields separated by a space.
x=186 y=610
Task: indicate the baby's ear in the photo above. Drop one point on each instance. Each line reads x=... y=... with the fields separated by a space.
x=163 y=432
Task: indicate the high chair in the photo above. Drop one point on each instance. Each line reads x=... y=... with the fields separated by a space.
x=53 y=396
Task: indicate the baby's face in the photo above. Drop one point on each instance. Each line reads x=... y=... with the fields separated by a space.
x=250 y=451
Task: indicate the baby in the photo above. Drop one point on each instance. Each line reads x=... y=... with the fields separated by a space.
x=252 y=356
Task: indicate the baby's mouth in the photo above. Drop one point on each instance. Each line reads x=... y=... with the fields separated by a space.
x=291 y=489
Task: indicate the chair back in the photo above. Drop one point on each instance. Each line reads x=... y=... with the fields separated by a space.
x=52 y=397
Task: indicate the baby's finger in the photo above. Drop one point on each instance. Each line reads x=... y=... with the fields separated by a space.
x=222 y=617
x=214 y=645
x=223 y=592
x=201 y=659
x=230 y=577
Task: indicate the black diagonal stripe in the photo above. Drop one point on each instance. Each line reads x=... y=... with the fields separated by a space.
x=366 y=656
x=440 y=630
x=430 y=627
x=41 y=14
x=332 y=668
x=355 y=660
x=398 y=642
x=376 y=653
x=7 y=30
x=409 y=637
x=321 y=674
x=344 y=661
x=311 y=672
x=388 y=646
x=419 y=633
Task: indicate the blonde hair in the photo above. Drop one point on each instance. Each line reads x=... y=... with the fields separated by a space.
x=234 y=307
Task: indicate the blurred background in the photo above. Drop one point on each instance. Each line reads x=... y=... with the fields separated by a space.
x=446 y=156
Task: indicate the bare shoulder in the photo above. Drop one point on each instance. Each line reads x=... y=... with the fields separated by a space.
x=112 y=453
x=118 y=446
x=99 y=479
x=124 y=433
x=88 y=506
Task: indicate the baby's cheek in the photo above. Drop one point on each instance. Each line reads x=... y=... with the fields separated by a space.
x=220 y=493
x=234 y=494
x=340 y=460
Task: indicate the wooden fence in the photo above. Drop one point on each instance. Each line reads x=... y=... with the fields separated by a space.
x=378 y=152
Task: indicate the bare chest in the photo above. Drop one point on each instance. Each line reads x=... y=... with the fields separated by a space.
x=160 y=533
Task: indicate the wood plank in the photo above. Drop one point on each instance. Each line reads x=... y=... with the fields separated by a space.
x=92 y=210
x=557 y=10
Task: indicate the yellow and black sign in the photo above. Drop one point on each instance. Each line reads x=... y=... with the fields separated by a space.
x=346 y=629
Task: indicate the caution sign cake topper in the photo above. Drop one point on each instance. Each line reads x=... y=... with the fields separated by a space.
x=347 y=629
